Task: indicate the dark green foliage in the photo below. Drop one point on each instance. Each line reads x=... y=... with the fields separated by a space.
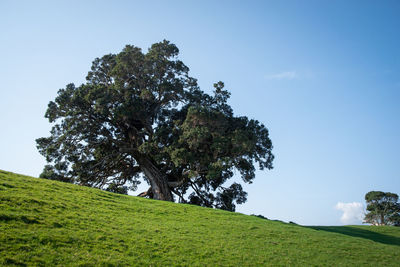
x=226 y=198
x=57 y=172
x=141 y=113
x=119 y=189
x=383 y=208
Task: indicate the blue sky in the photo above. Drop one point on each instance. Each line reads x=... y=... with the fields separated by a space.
x=323 y=76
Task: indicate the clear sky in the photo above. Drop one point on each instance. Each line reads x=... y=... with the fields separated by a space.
x=323 y=76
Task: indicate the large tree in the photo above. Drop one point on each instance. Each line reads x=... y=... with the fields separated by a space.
x=141 y=113
x=383 y=208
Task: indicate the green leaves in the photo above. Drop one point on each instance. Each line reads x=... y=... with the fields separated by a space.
x=144 y=107
x=383 y=208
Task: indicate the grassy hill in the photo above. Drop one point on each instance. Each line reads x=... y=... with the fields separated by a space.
x=51 y=223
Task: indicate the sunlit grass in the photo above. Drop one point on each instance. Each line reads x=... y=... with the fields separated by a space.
x=51 y=223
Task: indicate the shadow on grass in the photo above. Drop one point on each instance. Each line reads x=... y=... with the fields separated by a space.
x=356 y=232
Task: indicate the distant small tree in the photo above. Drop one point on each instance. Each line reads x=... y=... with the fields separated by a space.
x=383 y=208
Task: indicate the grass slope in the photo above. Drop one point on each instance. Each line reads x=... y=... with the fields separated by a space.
x=51 y=223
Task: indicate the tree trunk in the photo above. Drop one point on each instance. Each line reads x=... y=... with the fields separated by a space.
x=383 y=219
x=158 y=181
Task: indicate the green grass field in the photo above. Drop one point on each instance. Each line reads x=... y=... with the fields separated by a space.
x=49 y=223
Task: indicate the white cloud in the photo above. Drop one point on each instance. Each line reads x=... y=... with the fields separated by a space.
x=286 y=75
x=353 y=212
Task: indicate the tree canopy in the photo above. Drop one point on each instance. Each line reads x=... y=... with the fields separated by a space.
x=141 y=116
x=383 y=208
